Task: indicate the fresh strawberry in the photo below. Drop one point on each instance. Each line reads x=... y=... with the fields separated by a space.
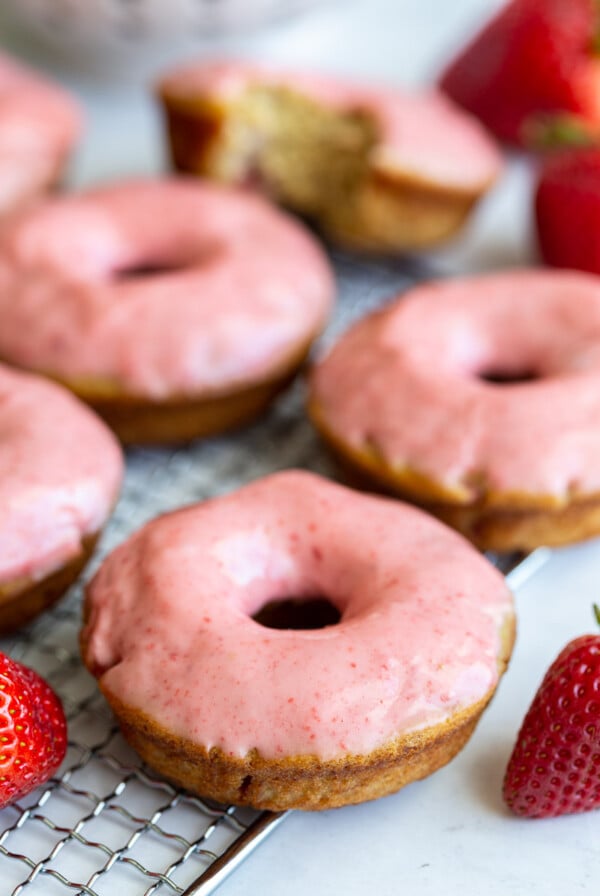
x=555 y=766
x=536 y=59
x=567 y=208
x=33 y=731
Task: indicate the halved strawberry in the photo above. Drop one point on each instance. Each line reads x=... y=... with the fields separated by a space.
x=537 y=59
x=33 y=730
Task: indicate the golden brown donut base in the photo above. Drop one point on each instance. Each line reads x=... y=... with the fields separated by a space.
x=506 y=530
x=139 y=421
x=301 y=782
x=315 y=161
x=22 y=600
x=494 y=522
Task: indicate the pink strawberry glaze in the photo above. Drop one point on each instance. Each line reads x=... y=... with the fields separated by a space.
x=171 y=634
x=251 y=287
x=60 y=473
x=421 y=134
x=406 y=381
x=39 y=124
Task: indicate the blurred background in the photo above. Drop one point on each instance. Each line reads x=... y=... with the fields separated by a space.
x=111 y=51
x=130 y=39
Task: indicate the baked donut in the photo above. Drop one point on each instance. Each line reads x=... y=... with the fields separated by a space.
x=60 y=473
x=278 y=718
x=176 y=309
x=376 y=167
x=478 y=399
x=39 y=124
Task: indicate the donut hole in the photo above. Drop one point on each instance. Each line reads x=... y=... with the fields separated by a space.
x=499 y=377
x=149 y=269
x=170 y=263
x=298 y=613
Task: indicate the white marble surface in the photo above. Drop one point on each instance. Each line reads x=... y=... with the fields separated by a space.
x=449 y=833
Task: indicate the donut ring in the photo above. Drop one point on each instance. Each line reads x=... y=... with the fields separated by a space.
x=39 y=124
x=60 y=473
x=409 y=401
x=277 y=718
x=366 y=163
x=176 y=309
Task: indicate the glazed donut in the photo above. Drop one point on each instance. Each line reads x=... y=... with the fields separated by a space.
x=479 y=399
x=176 y=309
x=367 y=163
x=39 y=124
x=278 y=718
x=60 y=473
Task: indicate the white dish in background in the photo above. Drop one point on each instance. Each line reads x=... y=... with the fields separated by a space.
x=117 y=27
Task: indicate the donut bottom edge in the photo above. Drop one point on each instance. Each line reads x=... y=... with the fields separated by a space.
x=304 y=782
x=23 y=600
x=143 y=421
x=298 y=782
x=139 y=422
x=508 y=523
x=399 y=214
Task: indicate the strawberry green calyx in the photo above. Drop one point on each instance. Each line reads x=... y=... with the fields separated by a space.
x=560 y=131
x=597 y=613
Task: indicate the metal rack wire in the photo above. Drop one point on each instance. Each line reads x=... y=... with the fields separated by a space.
x=104 y=824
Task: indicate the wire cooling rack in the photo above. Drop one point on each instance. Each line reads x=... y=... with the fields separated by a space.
x=105 y=825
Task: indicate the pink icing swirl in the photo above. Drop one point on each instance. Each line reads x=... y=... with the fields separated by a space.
x=170 y=631
x=244 y=287
x=60 y=473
